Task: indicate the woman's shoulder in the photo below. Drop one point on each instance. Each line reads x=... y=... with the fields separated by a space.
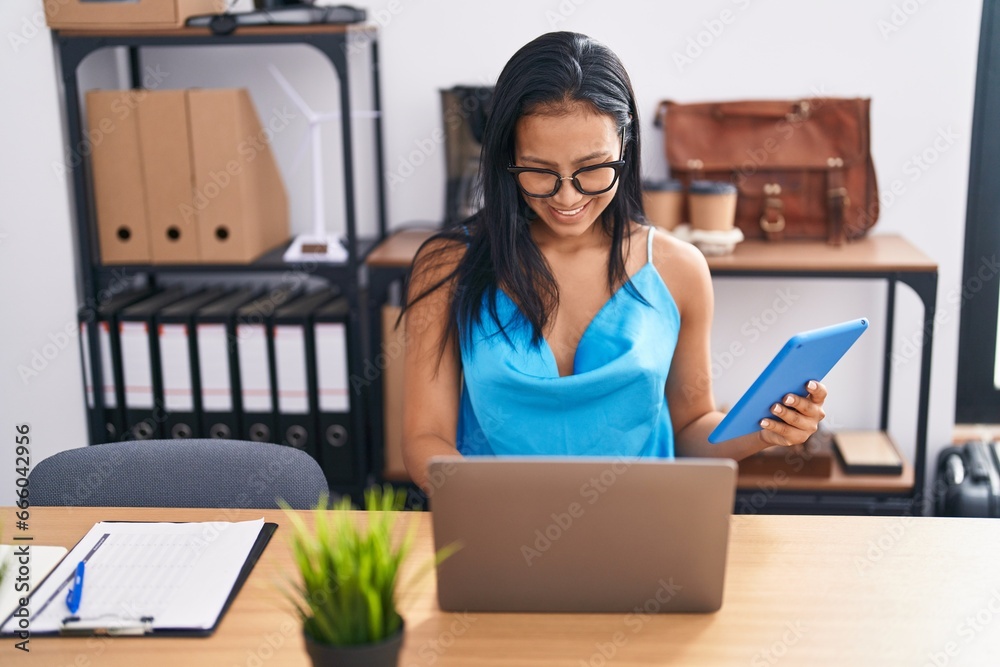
x=670 y=254
x=681 y=265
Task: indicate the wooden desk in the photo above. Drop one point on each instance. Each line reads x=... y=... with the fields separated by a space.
x=398 y=250
x=878 y=252
x=799 y=591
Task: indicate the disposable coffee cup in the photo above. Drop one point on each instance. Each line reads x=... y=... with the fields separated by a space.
x=712 y=205
x=663 y=202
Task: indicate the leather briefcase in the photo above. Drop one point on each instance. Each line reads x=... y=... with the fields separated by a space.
x=803 y=168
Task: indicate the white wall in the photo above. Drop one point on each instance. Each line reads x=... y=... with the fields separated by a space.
x=919 y=68
x=38 y=293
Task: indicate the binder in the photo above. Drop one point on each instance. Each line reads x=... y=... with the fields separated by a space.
x=108 y=422
x=140 y=365
x=338 y=446
x=133 y=568
x=179 y=363
x=95 y=427
x=294 y=351
x=119 y=195
x=255 y=356
x=218 y=401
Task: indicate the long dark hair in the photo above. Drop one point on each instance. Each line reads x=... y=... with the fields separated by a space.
x=549 y=73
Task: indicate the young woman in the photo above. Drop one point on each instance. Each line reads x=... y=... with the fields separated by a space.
x=555 y=321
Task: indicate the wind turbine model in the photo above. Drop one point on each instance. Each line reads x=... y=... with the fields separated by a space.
x=320 y=245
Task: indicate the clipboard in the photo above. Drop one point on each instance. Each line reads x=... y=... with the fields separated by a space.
x=54 y=589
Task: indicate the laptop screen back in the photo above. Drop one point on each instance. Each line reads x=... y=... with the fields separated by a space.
x=582 y=535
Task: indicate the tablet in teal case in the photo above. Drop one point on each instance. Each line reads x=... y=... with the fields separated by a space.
x=807 y=356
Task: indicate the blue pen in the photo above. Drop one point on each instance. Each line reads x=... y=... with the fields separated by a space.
x=74 y=594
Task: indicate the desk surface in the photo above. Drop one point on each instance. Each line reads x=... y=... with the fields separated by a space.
x=800 y=590
x=875 y=253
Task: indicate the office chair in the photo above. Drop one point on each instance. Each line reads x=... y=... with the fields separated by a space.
x=178 y=473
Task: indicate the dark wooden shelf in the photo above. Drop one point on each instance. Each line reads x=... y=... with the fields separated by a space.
x=837 y=481
x=243 y=31
x=879 y=253
x=269 y=261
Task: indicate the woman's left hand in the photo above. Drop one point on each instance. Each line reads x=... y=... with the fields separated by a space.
x=798 y=417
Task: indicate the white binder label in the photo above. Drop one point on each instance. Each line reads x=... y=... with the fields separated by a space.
x=331 y=362
x=137 y=365
x=254 y=375
x=213 y=363
x=176 y=362
x=290 y=362
x=107 y=367
x=88 y=377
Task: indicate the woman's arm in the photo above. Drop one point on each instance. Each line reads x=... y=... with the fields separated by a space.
x=689 y=386
x=798 y=420
x=432 y=381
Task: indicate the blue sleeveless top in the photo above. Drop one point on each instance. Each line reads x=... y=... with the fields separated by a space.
x=514 y=402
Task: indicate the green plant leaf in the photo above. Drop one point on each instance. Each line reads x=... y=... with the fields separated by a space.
x=348 y=575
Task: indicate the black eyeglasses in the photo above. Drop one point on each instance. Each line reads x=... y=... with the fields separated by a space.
x=594 y=180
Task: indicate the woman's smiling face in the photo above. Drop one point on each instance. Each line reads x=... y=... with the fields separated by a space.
x=565 y=140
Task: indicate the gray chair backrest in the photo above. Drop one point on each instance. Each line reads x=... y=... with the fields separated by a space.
x=178 y=473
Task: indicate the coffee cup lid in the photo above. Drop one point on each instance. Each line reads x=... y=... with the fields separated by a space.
x=668 y=185
x=712 y=188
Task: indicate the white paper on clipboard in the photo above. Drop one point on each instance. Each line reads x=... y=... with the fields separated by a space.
x=174 y=576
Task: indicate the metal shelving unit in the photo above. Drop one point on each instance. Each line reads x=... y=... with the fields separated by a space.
x=336 y=43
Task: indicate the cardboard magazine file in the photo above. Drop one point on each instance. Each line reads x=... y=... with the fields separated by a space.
x=165 y=140
x=116 y=164
x=135 y=14
x=239 y=199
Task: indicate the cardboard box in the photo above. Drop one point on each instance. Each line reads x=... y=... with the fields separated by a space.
x=116 y=160
x=133 y=14
x=239 y=197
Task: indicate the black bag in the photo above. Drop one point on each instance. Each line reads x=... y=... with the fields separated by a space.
x=968 y=480
x=464 y=110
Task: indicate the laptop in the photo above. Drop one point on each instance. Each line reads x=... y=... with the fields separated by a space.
x=610 y=535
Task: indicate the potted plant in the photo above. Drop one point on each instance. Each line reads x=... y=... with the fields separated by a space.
x=347 y=595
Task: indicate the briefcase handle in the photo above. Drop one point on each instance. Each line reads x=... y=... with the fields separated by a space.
x=797 y=111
